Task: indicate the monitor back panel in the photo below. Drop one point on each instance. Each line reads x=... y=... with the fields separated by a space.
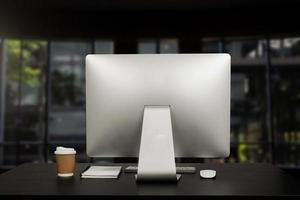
x=196 y=86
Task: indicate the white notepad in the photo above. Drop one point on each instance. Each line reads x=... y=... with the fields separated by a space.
x=102 y=172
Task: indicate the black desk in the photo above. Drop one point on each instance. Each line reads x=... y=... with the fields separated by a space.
x=233 y=180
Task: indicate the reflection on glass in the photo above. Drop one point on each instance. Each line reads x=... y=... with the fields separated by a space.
x=34 y=59
x=2 y=93
x=246 y=52
x=247 y=107
x=25 y=63
x=24 y=110
x=104 y=47
x=2 y=96
x=285 y=58
x=251 y=153
x=249 y=137
x=291 y=47
x=275 y=47
x=66 y=123
x=212 y=45
x=12 y=83
x=286 y=114
x=248 y=111
x=168 y=46
x=67 y=106
x=9 y=155
x=30 y=152
x=147 y=46
x=288 y=47
x=246 y=49
x=285 y=51
x=67 y=73
x=13 y=71
x=287 y=155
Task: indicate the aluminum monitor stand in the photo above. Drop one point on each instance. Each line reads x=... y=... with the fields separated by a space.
x=156 y=156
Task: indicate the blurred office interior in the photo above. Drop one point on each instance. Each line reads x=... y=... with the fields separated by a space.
x=43 y=45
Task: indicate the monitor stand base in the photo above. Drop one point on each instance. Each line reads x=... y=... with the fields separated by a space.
x=156 y=156
x=178 y=176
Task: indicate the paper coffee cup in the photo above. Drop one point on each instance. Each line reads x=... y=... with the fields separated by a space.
x=65 y=161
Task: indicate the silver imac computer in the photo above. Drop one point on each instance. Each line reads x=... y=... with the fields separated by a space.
x=157 y=107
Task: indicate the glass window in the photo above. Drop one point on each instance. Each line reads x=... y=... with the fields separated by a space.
x=247 y=51
x=104 y=47
x=24 y=107
x=212 y=45
x=168 y=45
x=30 y=152
x=13 y=85
x=286 y=99
x=291 y=47
x=249 y=136
x=285 y=51
x=286 y=116
x=275 y=47
x=165 y=45
x=2 y=96
x=67 y=94
x=248 y=115
x=22 y=100
x=147 y=46
x=67 y=73
x=2 y=91
x=9 y=151
x=34 y=60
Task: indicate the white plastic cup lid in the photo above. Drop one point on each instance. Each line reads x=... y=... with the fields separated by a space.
x=64 y=150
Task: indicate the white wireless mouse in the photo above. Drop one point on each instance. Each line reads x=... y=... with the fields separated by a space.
x=208 y=173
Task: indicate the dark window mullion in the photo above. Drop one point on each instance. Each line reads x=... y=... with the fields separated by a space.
x=19 y=106
x=157 y=45
x=269 y=113
x=2 y=87
x=2 y=94
x=47 y=101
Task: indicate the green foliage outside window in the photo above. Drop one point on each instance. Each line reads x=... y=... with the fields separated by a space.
x=31 y=70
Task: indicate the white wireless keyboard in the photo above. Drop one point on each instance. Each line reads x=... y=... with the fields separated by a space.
x=179 y=170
